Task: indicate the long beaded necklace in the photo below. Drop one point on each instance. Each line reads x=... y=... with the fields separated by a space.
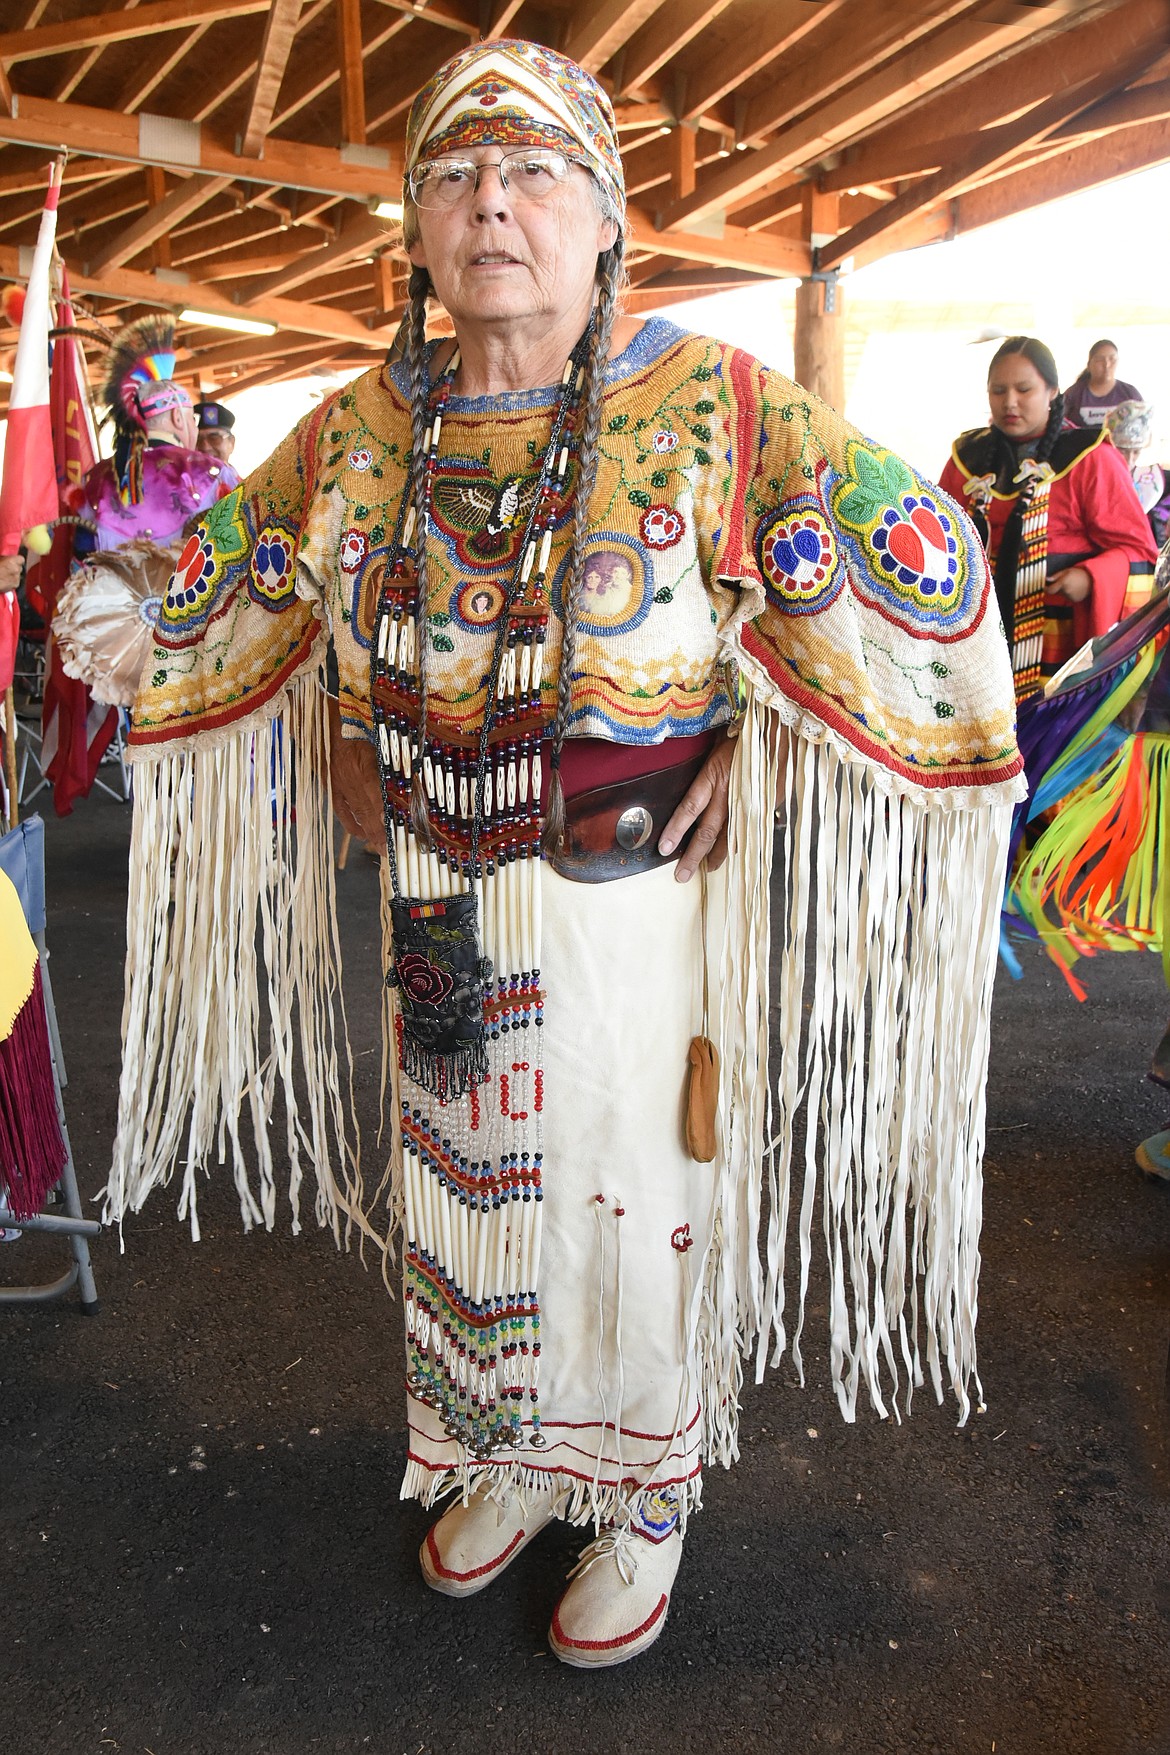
x=443 y=1041
x=469 y=1002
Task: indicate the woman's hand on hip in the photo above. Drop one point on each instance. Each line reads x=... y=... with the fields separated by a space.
x=705 y=805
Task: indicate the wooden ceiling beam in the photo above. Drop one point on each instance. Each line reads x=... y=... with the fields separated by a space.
x=277 y=372
x=500 y=22
x=240 y=352
x=735 y=249
x=87 y=211
x=280 y=30
x=351 y=71
x=155 y=181
x=440 y=12
x=636 y=118
x=1125 y=109
x=933 y=62
x=121 y=26
x=664 y=36
x=149 y=77
x=938 y=226
x=158 y=221
x=600 y=28
x=322 y=78
x=79 y=68
x=232 y=266
x=841 y=58
x=89 y=170
x=995 y=148
x=361 y=237
x=169 y=292
x=994 y=94
x=7 y=96
x=790 y=21
x=292 y=164
x=1079 y=167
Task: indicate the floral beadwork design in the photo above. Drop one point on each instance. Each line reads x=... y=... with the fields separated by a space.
x=355 y=546
x=270 y=580
x=192 y=580
x=664 y=441
x=361 y=459
x=914 y=566
x=423 y=980
x=799 y=557
x=661 y=527
x=213 y=557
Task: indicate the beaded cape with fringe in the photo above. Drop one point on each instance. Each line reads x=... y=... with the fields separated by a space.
x=752 y=557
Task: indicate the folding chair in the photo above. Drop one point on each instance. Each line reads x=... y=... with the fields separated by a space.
x=22 y=857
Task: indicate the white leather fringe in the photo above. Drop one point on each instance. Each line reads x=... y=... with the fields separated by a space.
x=233 y=974
x=883 y=962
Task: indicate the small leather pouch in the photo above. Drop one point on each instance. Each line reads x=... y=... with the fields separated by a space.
x=702 y=1086
x=613 y=831
x=702 y=1098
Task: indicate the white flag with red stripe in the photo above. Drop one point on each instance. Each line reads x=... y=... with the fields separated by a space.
x=28 y=492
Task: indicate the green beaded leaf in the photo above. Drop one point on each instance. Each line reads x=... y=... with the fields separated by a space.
x=443 y=643
x=638 y=498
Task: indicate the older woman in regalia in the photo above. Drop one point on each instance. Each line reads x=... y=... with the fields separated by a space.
x=588 y=596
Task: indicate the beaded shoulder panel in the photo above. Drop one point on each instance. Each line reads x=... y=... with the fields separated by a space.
x=739 y=529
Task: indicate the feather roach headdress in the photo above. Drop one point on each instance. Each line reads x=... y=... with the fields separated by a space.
x=139 y=386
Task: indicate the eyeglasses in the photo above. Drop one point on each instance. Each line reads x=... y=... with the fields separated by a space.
x=530 y=175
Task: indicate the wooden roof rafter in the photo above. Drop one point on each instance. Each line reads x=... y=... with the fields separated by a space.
x=280 y=31
x=123 y=24
x=920 y=118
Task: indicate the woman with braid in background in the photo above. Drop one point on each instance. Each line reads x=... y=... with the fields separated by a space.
x=1068 y=542
x=590 y=591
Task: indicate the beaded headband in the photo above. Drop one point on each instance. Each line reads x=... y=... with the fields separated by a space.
x=515 y=93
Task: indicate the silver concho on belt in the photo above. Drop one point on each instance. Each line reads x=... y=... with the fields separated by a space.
x=634 y=828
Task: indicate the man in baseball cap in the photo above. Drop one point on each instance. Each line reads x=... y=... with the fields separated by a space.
x=215 y=430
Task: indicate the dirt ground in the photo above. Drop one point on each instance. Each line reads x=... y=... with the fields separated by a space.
x=203 y=1548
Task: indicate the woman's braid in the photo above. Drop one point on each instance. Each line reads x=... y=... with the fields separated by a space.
x=1051 y=432
x=610 y=277
x=418 y=386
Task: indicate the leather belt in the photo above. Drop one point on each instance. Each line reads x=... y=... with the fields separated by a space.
x=613 y=831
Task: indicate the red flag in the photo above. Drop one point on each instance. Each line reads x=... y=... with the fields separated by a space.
x=76 y=730
x=28 y=492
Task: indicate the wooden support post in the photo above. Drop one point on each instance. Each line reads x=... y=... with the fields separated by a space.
x=156 y=188
x=384 y=281
x=349 y=61
x=682 y=161
x=819 y=338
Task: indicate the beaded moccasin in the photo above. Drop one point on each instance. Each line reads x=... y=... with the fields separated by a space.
x=472 y=1544
x=616 y=1605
